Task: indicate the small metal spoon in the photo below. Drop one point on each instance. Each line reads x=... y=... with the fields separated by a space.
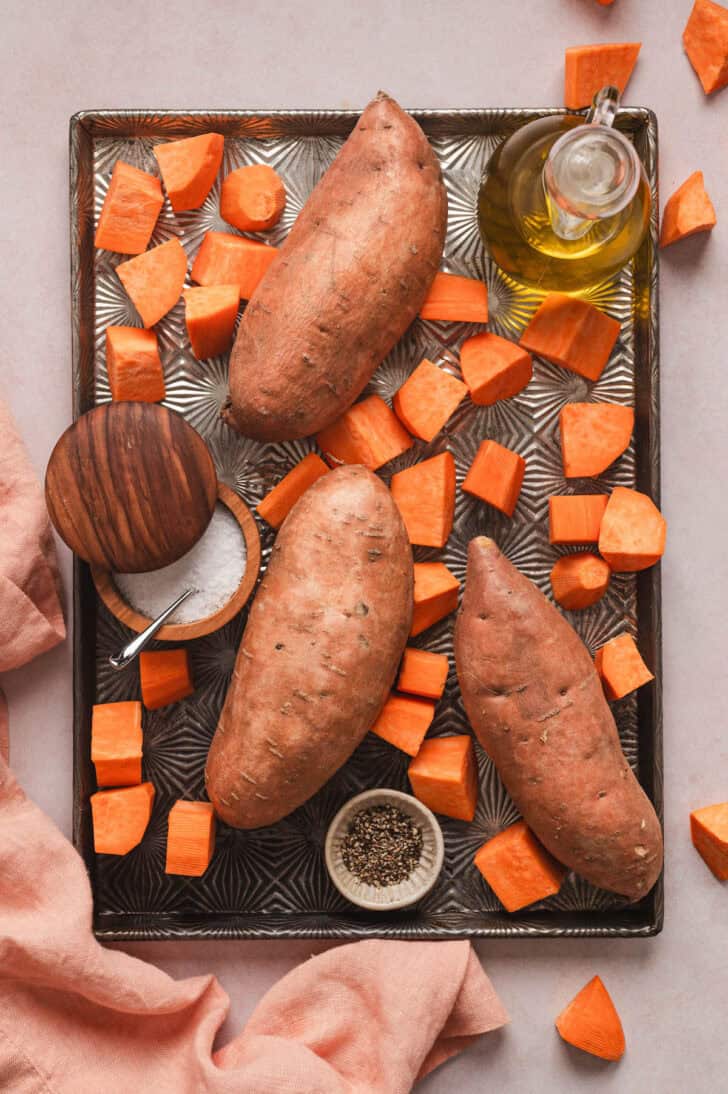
x=130 y=651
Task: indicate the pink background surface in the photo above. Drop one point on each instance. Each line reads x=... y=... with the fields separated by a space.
x=672 y=992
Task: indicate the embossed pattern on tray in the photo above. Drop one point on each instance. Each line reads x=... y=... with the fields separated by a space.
x=273 y=882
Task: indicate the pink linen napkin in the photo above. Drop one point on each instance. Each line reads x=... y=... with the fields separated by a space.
x=76 y=1018
x=31 y=617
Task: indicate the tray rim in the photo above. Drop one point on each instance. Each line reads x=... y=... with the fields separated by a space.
x=139 y=927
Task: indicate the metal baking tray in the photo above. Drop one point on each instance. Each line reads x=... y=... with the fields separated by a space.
x=272 y=883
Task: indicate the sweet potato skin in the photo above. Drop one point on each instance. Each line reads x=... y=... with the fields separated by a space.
x=536 y=705
x=346 y=283
x=320 y=649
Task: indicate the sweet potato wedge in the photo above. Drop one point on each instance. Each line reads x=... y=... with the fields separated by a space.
x=319 y=652
x=425 y=496
x=632 y=532
x=687 y=211
x=518 y=869
x=571 y=333
x=346 y=283
x=591 y=1022
x=536 y=704
x=705 y=40
x=593 y=436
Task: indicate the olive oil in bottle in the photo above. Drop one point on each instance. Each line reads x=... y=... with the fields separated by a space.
x=565 y=204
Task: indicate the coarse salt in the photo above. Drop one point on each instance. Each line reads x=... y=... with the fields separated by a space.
x=214 y=568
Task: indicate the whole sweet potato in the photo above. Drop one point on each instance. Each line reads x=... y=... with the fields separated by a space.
x=320 y=650
x=346 y=283
x=536 y=704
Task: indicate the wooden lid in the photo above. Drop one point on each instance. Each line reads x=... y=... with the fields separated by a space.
x=130 y=486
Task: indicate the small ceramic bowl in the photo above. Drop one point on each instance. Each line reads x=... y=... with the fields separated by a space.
x=182 y=632
x=407 y=892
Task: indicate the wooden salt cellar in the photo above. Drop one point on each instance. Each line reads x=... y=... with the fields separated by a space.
x=130 y=486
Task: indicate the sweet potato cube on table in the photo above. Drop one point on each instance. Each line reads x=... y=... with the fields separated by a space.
x=188 y=168
x=210 y=314
x=423 y=673
x=427 y=398
x=494 y=368
x=705 y=39
x=576 y=518
x=425 y=497
x=518 y=869
x=368 y=433
x=587 y=69
x=226 y=259
x=688 y=210
x=456 y=299
x=633 y=531
x=133 y=365
x=436 y=595
x=709 y=833
x=165 y=677
x=496 y=476
x=120 y=818
x=572 y=333
x=403 y=722
x=591 y=1022
x=154 y=280
x=252 y=198
x=116 y=743
x=130 y=210
x=593 y=436
x=190 y=838
x=621 y=667
x=278 y=502
x=444 y=776
x=579 y=580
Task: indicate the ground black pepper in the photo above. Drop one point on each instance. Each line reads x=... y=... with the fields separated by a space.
x=382 y=846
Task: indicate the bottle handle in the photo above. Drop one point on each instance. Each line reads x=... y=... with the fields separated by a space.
x=604 y=107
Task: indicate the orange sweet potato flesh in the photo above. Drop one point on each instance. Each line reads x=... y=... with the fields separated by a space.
x=165 y=677
x=593 y=436
x=225 y=259
x=278 y=502
x=536 y=704
x=133 y=365
x=426 y=400
x=425 y=496
x=579 y=580
x=368 y=433
x=423 y=673
x=591 y=1022
x=518 y=869
x=210 y=314
x=444 y=775
x=709 y=833
x=705 y=39
x=190 y=838
x=494 y=368
x=154 y=280
x=320 y=651
x=456 y=299
x=632 y=532
x=120 y=818
x=589 y=68
x=571 y=333
x=403 y=722
x=252 y=198
x=348 y=281
x=576 y=518
x=189 y=167
x=116 y=743
x=688 y=210
x=620 y=666
x=496 y=476
x=130 y=210
x=435 y=595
